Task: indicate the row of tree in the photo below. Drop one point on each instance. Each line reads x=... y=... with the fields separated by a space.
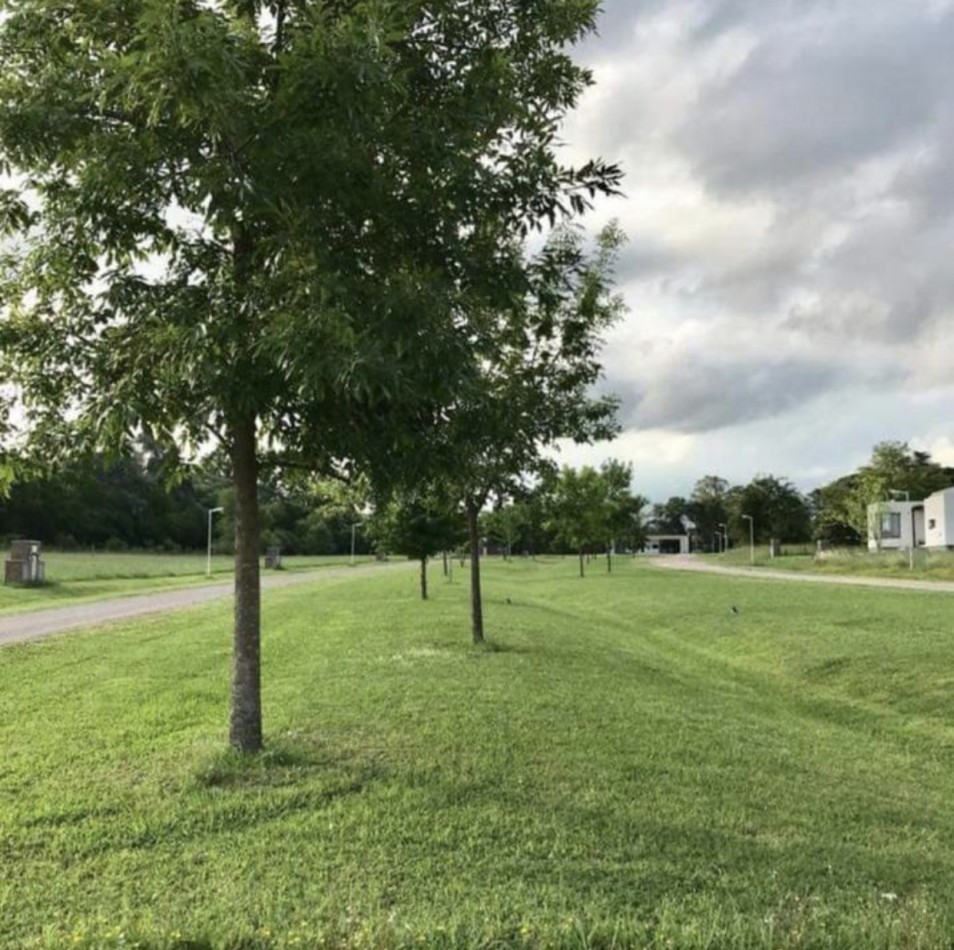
x=581 y=511
x=299 y=231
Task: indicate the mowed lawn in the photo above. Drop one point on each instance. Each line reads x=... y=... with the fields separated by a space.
x=632 y=764
x=925 y=565
x=79 y=576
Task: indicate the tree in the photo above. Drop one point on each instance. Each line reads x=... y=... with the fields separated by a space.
x=777 y=508
x=279 y=226
x=532 y=386
x=578 y=509
x=831 y=508
x=666 y=517
x=504 y=524
x=418 y=527
x=707 y=505
x=623 y=509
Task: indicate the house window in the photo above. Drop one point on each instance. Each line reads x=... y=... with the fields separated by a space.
x=891 y=524
x=932 y=523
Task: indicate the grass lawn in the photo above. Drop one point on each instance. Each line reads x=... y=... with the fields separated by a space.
x=928 y=565
x=631 y=764
x=75 y=577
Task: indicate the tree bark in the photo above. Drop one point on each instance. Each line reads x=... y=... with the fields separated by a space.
x=423 y=578
x=476 y=604
x=245 y=720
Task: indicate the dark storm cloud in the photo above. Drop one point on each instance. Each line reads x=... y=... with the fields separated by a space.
x=697 y=394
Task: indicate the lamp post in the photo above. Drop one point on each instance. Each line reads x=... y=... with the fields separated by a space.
x=208 y=556
x=751 y=522
x=725 y=538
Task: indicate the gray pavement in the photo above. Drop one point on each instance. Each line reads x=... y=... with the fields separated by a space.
x=691 y=562
x=15 y=628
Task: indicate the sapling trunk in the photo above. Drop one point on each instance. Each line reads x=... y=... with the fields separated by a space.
x=424 y=578
x=476 y=604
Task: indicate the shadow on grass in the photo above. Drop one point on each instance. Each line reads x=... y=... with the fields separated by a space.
x=489 y=647
x=283 y=763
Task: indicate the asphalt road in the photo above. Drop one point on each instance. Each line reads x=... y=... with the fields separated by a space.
x=15 y=628
x=690 y=562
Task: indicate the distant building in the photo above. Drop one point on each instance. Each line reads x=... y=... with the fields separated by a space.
x=898 y=525
x=665 y=544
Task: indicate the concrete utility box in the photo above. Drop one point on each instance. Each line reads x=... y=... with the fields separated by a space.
x=24 y=565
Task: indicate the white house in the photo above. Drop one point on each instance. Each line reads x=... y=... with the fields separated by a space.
x=666 y=544
x=898 y=525
x=939 y=519
x=895 y=525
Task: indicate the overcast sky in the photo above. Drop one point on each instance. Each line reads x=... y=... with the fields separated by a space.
x=790 y=213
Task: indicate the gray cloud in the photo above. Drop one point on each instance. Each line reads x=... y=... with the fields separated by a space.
x=703 y=392
x=815 y=97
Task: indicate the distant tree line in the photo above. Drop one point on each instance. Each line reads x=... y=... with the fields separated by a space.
x=128 y=504
x=835 y=513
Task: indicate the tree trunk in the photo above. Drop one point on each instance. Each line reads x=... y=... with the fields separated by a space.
x=245 y=720
x=581 y=562
x=609 y=559
x=476 y=604
x=446 y=568
x=423 y=578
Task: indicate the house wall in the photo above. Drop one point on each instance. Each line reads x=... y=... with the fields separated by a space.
x=910 y=520
x=939 y=519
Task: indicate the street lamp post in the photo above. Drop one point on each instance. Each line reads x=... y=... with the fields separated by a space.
x=725 y=538
x=208 y=556
x=751 y=522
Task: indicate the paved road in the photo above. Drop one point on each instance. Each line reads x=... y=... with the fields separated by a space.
x=691 y=562
x=41 y=623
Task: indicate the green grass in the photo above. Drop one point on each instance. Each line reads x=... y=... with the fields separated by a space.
x=928 y=565
x=630 y=764
x=77 y=577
